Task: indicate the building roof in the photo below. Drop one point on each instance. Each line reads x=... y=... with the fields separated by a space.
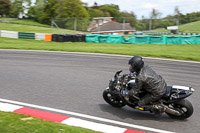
x=112 y=27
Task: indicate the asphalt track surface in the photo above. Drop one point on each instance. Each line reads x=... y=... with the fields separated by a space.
x=75 y=82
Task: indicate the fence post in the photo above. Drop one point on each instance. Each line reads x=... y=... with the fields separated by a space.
x=53 y=23
x=75 y=23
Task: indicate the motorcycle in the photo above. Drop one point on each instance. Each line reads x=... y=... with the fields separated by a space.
x=174 y=102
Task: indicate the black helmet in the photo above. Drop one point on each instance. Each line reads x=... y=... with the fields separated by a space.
x=136 y=63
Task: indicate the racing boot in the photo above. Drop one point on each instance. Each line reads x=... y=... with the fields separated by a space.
x=145 y=107
x=158 y=109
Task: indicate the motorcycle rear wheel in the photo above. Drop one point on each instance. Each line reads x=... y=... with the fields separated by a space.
x=183 y=106
x=112 y=100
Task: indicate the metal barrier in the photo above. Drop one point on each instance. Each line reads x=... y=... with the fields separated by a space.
x=99 y=38
x=9 y=34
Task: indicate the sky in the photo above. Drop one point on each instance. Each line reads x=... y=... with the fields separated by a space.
x=144 y=7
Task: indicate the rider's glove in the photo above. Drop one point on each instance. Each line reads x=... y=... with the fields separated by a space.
x=132 y=92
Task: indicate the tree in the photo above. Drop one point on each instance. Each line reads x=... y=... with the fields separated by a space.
x=97 y=13
x=19 y=7
x=5 y=7
x=95 y=4
x=36 y=10
x=153 y=16
x=128 y=18
x=177 y=14
x=177 y=11
x=111 y=8
x=75 y=12
x=43 y=11
x=49 y=11
x=71 y=8
x=142 y=24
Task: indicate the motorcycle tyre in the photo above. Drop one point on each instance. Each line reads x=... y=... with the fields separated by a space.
x=116 y=103
x=185 y=104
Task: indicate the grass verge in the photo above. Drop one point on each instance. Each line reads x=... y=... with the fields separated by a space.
x=29 y=22
x=193 y=27
x=26 y=25
x=33 y=29
x=181 y=52
x=19 y=123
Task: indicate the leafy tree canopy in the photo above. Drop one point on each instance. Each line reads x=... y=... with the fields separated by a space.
x=71 y=8
x=5 y=7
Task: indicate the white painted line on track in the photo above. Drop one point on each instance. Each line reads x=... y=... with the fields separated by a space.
x=86 y=116
x=92 y=125
x=100 y=54
x=9 y=108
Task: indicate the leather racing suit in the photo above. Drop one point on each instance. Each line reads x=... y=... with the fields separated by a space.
x=152 y=83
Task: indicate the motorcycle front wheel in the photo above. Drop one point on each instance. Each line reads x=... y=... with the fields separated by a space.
x=183 y=106
x=112 y=100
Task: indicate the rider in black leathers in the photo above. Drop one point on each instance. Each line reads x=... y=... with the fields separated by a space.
x=147 y=79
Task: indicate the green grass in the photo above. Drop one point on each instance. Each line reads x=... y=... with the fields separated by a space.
x=193 y=27
x=34 y=27
x=13 y=123
x=5 y=18
x=182 y=52
x=25 y=22
x=29 y=22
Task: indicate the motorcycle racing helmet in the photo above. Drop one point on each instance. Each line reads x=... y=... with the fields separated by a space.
x=136 y=63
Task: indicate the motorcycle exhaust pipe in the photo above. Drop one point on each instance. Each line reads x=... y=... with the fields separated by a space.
x=172 y=111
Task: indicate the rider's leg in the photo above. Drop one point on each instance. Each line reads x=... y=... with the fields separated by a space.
x=148 y=98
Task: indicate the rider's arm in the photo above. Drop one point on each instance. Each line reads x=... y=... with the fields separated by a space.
x=136 y=88
x=138 y=85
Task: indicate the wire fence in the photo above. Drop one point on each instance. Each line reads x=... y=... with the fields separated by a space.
x=123 y=25
x=96 y=25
